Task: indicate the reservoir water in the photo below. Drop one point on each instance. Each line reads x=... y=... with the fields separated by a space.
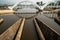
x=8 y=21
x=11 y=19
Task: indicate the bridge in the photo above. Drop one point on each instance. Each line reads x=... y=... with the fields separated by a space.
x=25 y=23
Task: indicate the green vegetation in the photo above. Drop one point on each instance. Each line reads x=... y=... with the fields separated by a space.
x=58 y=2
x=54 y=4
x=3 y=7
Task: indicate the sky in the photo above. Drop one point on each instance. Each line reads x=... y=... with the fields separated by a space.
x=15 y=1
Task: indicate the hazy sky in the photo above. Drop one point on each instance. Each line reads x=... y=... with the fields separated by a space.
x=14 y=1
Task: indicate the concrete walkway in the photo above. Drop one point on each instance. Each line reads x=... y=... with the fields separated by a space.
x=6 y=11
x=50 y=23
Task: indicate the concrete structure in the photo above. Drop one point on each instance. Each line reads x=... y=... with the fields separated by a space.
x=38 y=27
x=32 y=3
x=10 y=32
x=6 y=11
x=1 y=20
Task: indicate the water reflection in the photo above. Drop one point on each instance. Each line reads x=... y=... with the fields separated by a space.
x=8 y=21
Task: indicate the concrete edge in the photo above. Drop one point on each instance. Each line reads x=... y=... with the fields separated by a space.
x=1 y=20
x=10 y=32
x=6 y=11
x=51 y=29
x=39 y=30
x=19 y=34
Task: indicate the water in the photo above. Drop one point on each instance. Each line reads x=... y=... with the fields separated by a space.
x=8 y=21
x=29 y=31
x=11 y=19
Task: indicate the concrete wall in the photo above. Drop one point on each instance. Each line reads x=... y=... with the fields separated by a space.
x=10 y=32
x=47 y=32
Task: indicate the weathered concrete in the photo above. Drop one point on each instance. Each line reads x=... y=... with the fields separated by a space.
x=19 y=34
x=47 y=32
x=1 y=20
x=41 y=36
x=6 y=11
x=57 y=20
x=50 y=23
x=10 y=32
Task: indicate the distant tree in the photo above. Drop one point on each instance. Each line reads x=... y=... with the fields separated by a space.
x=38 y=3
x=52 y=3
x=58 y=2
x=41 y=3
x=49 y=4
x=5 y=5
x=55 y=4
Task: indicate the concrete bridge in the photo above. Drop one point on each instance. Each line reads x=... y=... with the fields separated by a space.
x=29 y=26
